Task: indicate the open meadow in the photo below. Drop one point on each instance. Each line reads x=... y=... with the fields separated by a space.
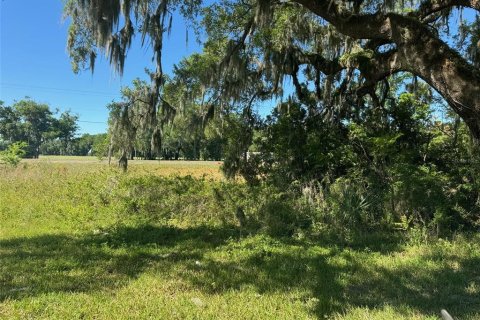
x=81 y=240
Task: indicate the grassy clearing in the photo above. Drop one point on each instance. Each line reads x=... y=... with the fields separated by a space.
x=209 y=169
x=69 y=250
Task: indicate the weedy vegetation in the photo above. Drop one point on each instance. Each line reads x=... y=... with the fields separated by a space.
x=81 y=240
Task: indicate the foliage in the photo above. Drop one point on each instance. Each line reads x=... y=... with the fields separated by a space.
x=186 y=126
x=336 y=53
x=238 y=138
x=133 y=124
x=191 y=137
x=356 y=120
x=92 y=144
x=13 y=154
x=368 y=170
x=165 y=199
x=26 y=121
x=33 y=123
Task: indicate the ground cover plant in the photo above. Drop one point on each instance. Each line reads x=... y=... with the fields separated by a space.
x=79 y=239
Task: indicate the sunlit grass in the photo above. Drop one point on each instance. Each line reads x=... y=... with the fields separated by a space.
x=79 y=164
x=67 y=251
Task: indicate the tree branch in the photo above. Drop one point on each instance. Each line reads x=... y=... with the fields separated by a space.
x=358 y=26
x=429 y=7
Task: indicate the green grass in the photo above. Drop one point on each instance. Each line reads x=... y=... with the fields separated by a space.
x=155 y=167
x=69 y=250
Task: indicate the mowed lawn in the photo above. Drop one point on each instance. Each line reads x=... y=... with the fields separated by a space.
x=69 y=250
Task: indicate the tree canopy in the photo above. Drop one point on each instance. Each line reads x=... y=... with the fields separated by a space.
x=35 y=124
x=338 y=54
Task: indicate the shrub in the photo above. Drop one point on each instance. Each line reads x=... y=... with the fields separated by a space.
x=196 y=200
x=13 y=154
x=200 y=201
x=280 y=217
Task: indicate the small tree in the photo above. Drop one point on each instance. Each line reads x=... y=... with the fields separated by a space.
x=13 y=154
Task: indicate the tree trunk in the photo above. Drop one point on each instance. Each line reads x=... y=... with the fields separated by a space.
x=423 y=54
x=446 y=71
x=123 y=161
x=110 y=146
x=418 y=50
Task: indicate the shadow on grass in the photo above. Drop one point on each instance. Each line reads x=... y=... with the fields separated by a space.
x=333 y=278
x=434 y=280
x=60 y=263
x=338 y=279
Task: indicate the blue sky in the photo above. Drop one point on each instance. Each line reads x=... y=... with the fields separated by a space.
x=34 y=62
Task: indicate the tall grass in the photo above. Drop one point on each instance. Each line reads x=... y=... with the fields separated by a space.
x=83 y=241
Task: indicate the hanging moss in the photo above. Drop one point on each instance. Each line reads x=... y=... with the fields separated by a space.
x=358 y=58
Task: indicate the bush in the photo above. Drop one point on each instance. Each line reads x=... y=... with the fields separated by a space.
x=13 y=154
x=200 y=201
x=280 y=217
x=193 y=200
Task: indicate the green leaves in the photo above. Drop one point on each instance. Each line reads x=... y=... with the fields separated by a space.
x=12 y=156
x=34 y=123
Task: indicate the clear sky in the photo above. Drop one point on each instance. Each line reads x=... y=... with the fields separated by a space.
x=34 y=62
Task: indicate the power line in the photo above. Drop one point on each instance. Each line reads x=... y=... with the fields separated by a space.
x=92 y=121
x=81 y=92
x=85 y=92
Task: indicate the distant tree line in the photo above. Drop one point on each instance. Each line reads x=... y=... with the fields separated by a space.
x=44 y=131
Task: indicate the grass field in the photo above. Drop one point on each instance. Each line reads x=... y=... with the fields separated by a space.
x=165 y=168
x=70 y=248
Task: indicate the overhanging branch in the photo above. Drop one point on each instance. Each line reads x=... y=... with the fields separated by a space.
x=432 y=6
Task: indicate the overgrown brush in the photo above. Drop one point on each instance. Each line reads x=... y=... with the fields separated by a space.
x=194 y=201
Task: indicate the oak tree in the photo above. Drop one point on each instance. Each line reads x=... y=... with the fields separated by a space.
x=337 y=53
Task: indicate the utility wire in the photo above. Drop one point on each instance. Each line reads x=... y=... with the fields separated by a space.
x=92 y=121
x=82 y=92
